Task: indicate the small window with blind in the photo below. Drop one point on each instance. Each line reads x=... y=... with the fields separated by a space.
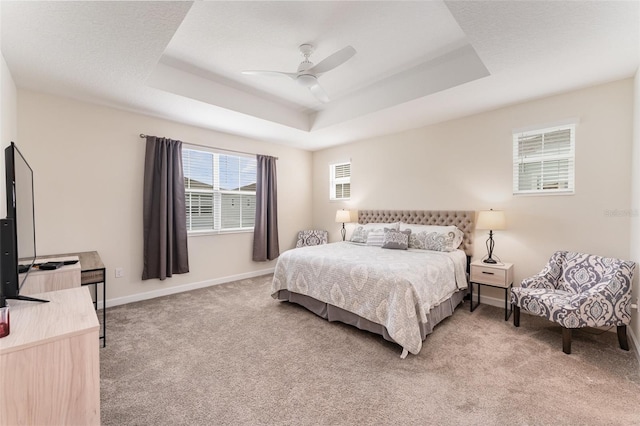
x=340 y=181
x=220 y=191
x=544 y=161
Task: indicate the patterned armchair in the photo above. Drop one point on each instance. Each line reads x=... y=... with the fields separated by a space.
x=579 y=290
x=311 y=237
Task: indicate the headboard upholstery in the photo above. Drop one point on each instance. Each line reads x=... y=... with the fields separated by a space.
x=463 y=219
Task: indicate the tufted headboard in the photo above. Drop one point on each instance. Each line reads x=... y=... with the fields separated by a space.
x=463 y=219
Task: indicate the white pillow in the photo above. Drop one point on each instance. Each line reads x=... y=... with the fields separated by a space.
x=447 y=238
x=369 y=226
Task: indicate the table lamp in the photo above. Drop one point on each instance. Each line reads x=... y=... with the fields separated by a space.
x=493 y=220
x=343 y=216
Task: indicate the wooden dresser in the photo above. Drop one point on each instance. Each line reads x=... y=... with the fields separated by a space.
x=49 y=363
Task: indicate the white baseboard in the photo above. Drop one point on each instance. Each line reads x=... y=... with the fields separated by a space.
x=635 y=342
x=182 y=288
x=487 y=300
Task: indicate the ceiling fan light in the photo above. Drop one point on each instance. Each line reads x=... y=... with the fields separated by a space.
x=306 y=80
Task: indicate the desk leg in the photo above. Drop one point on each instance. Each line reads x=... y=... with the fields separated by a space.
x=103 y=332
x=104 y=310
x=507 y=313
x=95 y=296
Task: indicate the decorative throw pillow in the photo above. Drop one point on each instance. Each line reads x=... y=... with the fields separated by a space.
x=438 y=241
x=375 y=237
x=451 y=231
x=359 y=235
x=416 y=240
x=398 y=240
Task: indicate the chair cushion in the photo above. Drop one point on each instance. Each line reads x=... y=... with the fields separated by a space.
x=311 y=237
x=554 y=305
x=538 y=301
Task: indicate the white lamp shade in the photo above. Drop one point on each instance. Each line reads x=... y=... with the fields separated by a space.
x=343 y=216
x=492 y=220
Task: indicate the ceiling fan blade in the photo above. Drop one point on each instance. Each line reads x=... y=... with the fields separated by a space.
x=332 y=61
x=271 y=73
x=319 y=93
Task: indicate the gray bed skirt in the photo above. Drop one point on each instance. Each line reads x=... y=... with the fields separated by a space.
x=333 y=313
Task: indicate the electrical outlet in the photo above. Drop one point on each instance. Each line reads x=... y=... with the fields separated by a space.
x=119 y=272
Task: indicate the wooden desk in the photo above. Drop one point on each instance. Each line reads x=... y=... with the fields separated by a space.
x=49 y=363
x=92 y=272
x=67 y=276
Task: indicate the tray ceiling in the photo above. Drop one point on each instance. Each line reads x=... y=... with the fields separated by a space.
x=417 y=63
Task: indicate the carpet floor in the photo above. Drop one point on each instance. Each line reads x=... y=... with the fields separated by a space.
x=231 y=355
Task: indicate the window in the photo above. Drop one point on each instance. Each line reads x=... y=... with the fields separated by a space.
x=340 y=181
x=220 y=191
x=543 y=161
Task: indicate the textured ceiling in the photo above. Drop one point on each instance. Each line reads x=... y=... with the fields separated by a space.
x=266 y=35
x=417 y=63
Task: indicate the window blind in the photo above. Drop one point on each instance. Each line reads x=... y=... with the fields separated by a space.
x=340 y=181
x=220 y=191
x=543 y=161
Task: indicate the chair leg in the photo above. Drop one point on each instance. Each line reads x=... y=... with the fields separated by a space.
x=622 y=337
x=516 y=315
x=566 y=340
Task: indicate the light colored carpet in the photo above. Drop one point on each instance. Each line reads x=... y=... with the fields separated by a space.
x=232 y=355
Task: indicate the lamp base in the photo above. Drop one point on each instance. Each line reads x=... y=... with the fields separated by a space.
x=490 y=245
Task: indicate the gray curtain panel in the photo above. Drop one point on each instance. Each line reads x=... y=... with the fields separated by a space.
x=265 y=232
x=165 y=221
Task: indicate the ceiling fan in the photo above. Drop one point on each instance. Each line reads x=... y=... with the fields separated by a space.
x=308 y=74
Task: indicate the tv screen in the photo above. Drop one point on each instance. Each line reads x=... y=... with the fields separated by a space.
x=18 y=239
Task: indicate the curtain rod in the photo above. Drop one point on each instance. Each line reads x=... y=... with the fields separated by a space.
x=143 y=136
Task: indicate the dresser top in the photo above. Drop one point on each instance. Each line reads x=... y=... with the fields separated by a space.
x=69 y=312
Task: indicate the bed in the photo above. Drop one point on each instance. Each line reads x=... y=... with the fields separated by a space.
x=400 y=294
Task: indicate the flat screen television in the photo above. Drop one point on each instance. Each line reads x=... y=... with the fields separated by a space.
x=18 y=230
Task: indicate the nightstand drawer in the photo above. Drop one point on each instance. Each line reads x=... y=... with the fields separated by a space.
x=488 y=275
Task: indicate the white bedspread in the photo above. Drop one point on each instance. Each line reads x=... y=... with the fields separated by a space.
x=394 y=288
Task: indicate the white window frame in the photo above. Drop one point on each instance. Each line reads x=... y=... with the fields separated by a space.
x=217 y=195
x=334 y=181
x=541 y=158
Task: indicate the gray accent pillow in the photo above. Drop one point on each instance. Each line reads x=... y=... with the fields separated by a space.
x=398 y=240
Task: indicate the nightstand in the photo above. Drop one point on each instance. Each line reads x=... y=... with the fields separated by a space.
x=498 y=275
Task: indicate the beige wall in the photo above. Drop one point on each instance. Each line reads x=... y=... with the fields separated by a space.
x=466 y=164
x=88 y=164
x=635 y=207
x=8 y=122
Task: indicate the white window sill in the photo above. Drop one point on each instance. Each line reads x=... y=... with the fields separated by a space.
x=226 y=231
